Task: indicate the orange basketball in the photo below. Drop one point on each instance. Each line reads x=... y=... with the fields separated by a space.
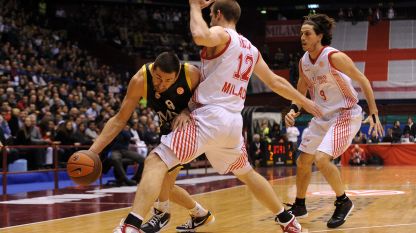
x=84 y=167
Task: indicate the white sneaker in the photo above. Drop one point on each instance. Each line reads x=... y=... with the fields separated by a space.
x=126 y=228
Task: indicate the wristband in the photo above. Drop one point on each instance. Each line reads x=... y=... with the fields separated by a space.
x=294 y=107
x=374 y=118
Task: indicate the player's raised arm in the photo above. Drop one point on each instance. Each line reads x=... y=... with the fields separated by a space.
x=345 y=65
x=116 y=123
x=282 y=87
x=201 y=33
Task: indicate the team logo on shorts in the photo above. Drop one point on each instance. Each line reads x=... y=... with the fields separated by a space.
x=180 y=90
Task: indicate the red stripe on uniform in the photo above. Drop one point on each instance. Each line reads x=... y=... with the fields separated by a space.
x=342 y=132
x=349 y=98
x=240 y=162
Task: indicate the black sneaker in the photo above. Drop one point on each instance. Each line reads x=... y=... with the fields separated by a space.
x=157 y=222
x=342 y=210
x=297 y=210
x=196 y=222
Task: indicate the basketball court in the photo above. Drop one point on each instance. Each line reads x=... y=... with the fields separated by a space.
x=383 y=196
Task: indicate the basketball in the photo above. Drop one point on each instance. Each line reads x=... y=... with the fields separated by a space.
x=84 y=167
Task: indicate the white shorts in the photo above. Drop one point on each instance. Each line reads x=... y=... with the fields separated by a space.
x=214 y=131
x=333 y=134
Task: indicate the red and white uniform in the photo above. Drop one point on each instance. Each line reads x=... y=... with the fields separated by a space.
x=216 y=127
x=332 y=90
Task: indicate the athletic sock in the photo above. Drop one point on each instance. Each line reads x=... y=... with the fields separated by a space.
x=164 y=206
x=300 y=201
x=342 y=198
x=284 y=216
x=198 y=210
x=134 y=220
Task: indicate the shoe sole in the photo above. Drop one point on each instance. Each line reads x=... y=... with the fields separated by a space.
x=159 y=230
x=345 y=219
x=210 y=220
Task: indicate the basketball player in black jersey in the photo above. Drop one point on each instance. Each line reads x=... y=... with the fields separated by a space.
x=167 y=85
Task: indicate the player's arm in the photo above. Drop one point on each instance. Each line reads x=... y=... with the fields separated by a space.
x=116 y=123
x=201 y=33
x=294 y=111
x=194 y=76
x=344 y=64
x=282 y=87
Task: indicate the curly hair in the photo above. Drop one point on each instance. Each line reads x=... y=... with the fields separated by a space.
x=322 y=24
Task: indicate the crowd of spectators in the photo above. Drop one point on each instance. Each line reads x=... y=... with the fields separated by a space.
x=53 y=92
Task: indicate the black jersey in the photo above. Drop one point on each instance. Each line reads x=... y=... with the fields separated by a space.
x=171 y=102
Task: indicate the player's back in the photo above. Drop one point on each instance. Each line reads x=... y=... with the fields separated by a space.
x=331 y=89
x=225 y=76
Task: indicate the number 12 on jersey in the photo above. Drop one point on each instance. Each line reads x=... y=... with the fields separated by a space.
x=245 y=75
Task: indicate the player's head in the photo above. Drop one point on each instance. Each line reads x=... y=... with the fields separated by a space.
x=225 y=10
x=316 y=30
x=165 y=71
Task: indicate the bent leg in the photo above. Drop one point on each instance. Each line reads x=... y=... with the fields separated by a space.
x=149 y=188
x=303 y=174
x=262 y=190
x=330 y=172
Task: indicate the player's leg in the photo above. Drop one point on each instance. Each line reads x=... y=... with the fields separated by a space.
x=265 y=194
x=338 y=138
x=161 y=208
x=149 y=188
x=303 y=178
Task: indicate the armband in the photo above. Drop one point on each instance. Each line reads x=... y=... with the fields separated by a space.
x=294 y=107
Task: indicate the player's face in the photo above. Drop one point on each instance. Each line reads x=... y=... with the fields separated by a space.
x=162 y=81
x=309 y=39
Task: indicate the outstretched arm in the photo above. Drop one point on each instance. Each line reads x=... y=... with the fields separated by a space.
x=344 y=64
x=282 y=87
x=118 y=121
x=201 y=33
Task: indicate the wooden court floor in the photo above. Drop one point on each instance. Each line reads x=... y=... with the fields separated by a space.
x=384 y=198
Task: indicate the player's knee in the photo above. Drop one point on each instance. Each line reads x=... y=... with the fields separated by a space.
x=322 y=162
x=304 y=162
x=153 y=161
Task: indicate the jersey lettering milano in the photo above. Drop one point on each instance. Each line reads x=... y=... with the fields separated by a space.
x=171 y=102
x=331 y=89
x=225 y=77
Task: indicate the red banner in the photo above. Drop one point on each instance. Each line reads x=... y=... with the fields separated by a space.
x=283 y=30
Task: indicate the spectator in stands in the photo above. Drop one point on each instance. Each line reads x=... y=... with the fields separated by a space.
x=258 y=152
x=292 y=134
x=119 y=153
x=65 y=134
x=406 y=138
x=410 y=127
x=374 y=139
x=389 y=136
x=360 y=138
x=152 y=137
x=390 y=13
x=92 y=131
x=397 y=132
x=30 y=134
x=357 y=156
x=80 y=135
x=275 y=132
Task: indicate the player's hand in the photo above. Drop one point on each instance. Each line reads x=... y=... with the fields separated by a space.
x=290 y=118
x=181 y=120
x=375 y=125
x=202 y=3
x=312 y=108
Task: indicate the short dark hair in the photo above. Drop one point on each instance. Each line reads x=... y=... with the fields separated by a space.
x=167 y=62
x=322 y=24
x=229 y=8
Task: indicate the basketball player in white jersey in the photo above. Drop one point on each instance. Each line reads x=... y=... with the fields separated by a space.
x=327 y=73
x=228 y=60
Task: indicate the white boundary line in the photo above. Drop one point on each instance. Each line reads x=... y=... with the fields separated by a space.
x=83 y=215
x=369 y=227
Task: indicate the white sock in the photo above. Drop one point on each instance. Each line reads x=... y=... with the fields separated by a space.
x=198 y=210
x=164 y=206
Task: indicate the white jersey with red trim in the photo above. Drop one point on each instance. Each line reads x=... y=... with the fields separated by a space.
x=225 y=77
x=331 y=89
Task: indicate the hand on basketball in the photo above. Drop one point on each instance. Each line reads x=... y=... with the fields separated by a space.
x=202 y=3
x=375 y=125
x=181 y=120
x=290 y=118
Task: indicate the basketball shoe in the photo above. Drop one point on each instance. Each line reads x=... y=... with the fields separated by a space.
x=342 y=210
x=290 y=227
x=196 y=222
x=298 y=210
x=126 y=228
x=158 y=221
